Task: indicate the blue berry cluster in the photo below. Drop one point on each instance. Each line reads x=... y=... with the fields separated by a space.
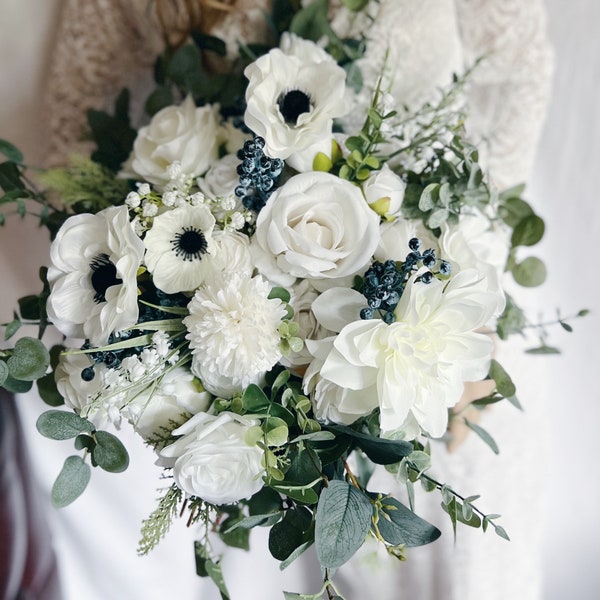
x=258 y=173
x=384 y=283
x=113 y=358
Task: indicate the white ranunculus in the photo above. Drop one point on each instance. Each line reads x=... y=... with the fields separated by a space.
x=79 y=394
x=418 y=364
x=153 y=411
x=93 y=275
x=212 y=460
x=316 y=226
x=475 y=242
x=232 y=253
x=180 y=248
x=293 y=95
x=233 y=332
x=384 y=192
x=184 y=134
x=393 y=244
x=222 y=177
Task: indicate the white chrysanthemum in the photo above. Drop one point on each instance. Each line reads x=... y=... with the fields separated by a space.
x=233 y=333
x=93 y=275
x=418 y=363
x=179 y=248
x=293 y=95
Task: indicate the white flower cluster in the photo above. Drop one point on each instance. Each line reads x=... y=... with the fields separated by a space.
x=183 y=257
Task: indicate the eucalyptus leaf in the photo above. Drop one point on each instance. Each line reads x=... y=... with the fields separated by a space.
x=62 y=425
x=528 y=232
x=295 y=554
x=504 y=383
x=343 y=521
x=400 y=525
x=484 y=435
x=17 y=386
x=285 y=536
x=48 y=391
x=3 y=372
x=30 y=359
x=216 y=574
x=12 y=328
x=380 y=451
x=300 y=493
x=254 y=399
x=253 y=521
x=531 y=272
x=71 y=481
x=109 y=453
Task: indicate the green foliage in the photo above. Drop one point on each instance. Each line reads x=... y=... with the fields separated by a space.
x=112 y=134
x=399 y=525
x=294 y=530
x=343 y=520
x=156 y=526
x=504 y=383
x=10 y=151
x=62 y=425
x=530 y=272
x=207 y=567
x=29 y=359
x=71 y=482
x=85 y=186
x=109 y=452
x=484 y=435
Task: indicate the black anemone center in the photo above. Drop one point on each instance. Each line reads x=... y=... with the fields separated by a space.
x=292 y=105
x=189 y=244
x=104 y=275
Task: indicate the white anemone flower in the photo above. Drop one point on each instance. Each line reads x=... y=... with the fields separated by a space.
x=233 y=332
x=293 y=95
x=93 y=275
x=179 y=248
x=418 y=364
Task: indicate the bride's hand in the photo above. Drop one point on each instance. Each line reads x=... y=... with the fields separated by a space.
x=457 y=429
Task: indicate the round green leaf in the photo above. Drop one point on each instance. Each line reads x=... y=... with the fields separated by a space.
x=62 y=425
x=3 y=372
x=109 y=453
x=528 y=232
x=71 y=481
x=30 y=359
x=504 y=383
x=342 y=522
x=17 y=386
x=530 y=273
x=48 y=391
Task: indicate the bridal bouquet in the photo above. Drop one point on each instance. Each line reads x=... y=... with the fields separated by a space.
x=273 y=298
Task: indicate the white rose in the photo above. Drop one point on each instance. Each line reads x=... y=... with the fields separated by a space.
x=293 y=95
x=156 y=409
x=384 y=192
x=222 y=177
x=183 y=134
x=212 y=460
x=232 y=253
x=316 y=226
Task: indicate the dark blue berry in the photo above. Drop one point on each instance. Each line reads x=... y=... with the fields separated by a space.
x=414 y=244
x=88 y=374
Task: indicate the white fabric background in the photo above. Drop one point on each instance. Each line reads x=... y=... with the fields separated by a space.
x=563 y=188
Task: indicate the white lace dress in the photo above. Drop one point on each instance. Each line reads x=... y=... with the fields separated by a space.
x=107 y=44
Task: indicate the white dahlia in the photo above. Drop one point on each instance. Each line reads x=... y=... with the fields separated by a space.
x=233 y=333
x=179 y=248
x=418 y=364
x=93 y=275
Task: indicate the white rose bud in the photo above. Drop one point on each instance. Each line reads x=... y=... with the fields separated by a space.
x=384 y=192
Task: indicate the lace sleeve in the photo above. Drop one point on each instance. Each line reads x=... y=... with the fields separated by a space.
x=102 y=46
x=511 y=86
